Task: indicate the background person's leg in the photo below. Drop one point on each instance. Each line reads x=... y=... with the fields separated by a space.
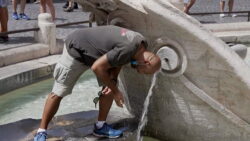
x=230 y=6
x=14 y=2
x=51 y=9
x=185 y=8
x=222 y=7
x=22 y=15
x=15 y=15
x=4 y=19
x=43 y=6
x=70 y=8
x=4 y=23
x=22 y=5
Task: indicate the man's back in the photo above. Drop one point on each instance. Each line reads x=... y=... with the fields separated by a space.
x=89 y=44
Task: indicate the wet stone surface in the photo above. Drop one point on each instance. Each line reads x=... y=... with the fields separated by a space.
x=70 y=127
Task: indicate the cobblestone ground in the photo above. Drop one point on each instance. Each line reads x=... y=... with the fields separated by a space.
x=32 y=10
x=202 y=6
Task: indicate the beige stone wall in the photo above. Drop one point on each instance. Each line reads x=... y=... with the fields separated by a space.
x=209 y=100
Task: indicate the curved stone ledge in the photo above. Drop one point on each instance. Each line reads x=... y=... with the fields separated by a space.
x=223 y=27
x=22 y=74
x=20 y=54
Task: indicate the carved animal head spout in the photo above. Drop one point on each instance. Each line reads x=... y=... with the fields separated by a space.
x=204 y=88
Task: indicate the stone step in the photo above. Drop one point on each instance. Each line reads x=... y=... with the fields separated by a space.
x=24 y=73
x=231 y=32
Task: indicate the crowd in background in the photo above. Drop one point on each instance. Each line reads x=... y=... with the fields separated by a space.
x=189 y=3
x=69 y=6
x=19 y=12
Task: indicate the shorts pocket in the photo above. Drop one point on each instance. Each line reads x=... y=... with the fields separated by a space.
x=61 y=73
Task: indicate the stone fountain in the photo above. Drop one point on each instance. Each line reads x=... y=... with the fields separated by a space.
x=203 y=91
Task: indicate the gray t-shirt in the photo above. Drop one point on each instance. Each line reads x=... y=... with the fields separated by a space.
x=120 y=44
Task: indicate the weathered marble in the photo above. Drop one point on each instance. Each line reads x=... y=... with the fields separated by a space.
x=75 y=126
x=209 y=100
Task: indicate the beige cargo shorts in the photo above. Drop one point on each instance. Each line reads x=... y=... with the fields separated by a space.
x=67 y=72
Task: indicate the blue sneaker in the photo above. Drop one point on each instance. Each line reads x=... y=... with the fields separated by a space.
x=24 y=16
x=41 y=136
x=107 y=131
x=15 y=16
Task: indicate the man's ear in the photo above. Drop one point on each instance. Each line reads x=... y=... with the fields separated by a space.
x=147 y=62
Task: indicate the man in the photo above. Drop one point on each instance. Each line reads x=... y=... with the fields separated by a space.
x=104 y=50
x=4 y=20
x=230 y=8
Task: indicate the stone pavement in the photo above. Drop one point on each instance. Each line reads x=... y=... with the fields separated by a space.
x=26 y=38
x=32 y=10
x=202 y=6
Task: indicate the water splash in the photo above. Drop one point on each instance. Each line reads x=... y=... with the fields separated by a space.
x=144 y=118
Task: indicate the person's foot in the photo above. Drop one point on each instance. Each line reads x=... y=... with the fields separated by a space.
x=37 y=2
x=66 y=5
x=15 y=16
x=41 y=136
x=107 y=131
x=24 y=16
x=69 y=9
x=75 y=5
x=4 y=39
x=222 y=15
x=233 y=15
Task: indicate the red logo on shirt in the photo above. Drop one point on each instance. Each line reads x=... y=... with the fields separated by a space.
x=123 y=32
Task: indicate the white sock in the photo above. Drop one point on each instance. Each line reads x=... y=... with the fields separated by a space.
x=99 y=124
x=41 y=130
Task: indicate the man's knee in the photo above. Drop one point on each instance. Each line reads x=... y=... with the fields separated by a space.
x=55 y=96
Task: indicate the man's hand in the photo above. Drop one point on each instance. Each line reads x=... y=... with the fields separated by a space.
x=118 y=99
x=106 y=91
x=104 y=71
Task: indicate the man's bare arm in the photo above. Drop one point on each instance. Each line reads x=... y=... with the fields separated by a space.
x=101 y=68
x=114 y=72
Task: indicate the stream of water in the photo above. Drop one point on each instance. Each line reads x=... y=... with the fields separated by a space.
x=144 y=118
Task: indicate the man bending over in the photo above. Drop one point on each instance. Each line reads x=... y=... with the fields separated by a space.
x=104 y=50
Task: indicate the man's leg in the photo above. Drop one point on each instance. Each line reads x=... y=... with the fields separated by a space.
x=50 y=109
x=102 y=129
x=66 y=73
x=104 y=106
